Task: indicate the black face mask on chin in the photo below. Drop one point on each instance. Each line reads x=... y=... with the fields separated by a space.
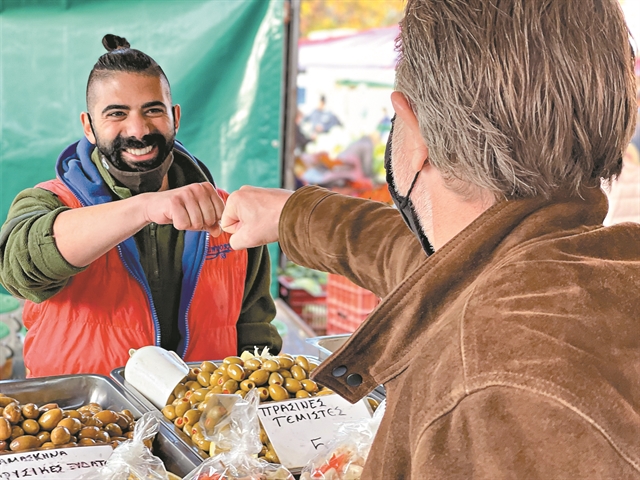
x=404 y=204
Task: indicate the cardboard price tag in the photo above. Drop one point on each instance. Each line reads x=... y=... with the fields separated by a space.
x=55 y=464
x=298 y=427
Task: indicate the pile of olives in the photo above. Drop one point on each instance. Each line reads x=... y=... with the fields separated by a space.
x=29 y=427
x=277 y=378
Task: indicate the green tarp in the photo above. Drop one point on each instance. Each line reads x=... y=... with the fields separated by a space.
x=223 y=58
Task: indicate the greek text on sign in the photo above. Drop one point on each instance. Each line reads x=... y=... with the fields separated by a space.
x=56 y=464
x=298 y=428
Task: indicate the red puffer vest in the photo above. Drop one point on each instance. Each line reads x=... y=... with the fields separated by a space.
x=90 y=325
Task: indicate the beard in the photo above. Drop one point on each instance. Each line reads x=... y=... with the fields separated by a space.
x=113 y=150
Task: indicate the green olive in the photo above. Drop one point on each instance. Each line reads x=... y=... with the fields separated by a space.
x=92 y=421
x=107 y=416
x=213 y=416
x=103 y=436
x=203 y=378
x=285 y=361
x=373 y=403
x=292 y=385
x=180 y=390
x=192 y=385
x=182 y=407
x=247 y=385
x=60 y=435
x=216 y=390
x=271 y=365
x=241 y=392
x=236 y=372
x=123 y=421
x=302 y=394
x=12 y=413
x=285 y=373
x=5 y=429
x=169 y=412
x=264 y=393
x=30 y=426
x=87 y=432
x=276 y=378
x=253 y=364
x=325 y=391
x=222 y=368
x=312 y=366
x=233 y=360
x=222 y=379
x=72 y=414
x=25 y=442
x=302 y=361
x=259 y=377
x=277 y=392
x=309 y=385
x=208 y=366
x=193 y=373
x=298 y=372
x=198 y=395
x=230 y=386
x=271 y=457
x=191 y=416
x=50 y=419
x=30 y=410
x=113 y=429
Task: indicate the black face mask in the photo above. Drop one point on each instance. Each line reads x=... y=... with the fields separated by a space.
x=404 y=204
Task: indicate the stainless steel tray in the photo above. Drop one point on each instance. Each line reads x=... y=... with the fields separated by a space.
x=73 y=391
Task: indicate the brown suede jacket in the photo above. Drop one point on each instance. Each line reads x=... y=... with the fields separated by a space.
x=513 y=352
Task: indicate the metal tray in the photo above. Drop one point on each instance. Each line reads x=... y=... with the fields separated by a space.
x=73 y=391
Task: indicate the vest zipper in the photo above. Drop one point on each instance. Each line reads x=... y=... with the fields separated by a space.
x=154 y=315
x=193 y=292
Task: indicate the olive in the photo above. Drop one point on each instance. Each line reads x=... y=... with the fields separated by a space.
x=302 y=362
x=43 y=437
x=16 y=431
x=222 y=368
x=24 y=442
x=312 y=366
x=106 y=416
x=103 y=436
x=191 y=416
x=203 y=378
x=5 y=429
x=113 y=429
x=236 y=372
x=4 y=401
x=72 y=414
x=373 y=403
x=207 y=366
x=86 y=441
x=285 y=373
x=123 y=421
x=12 y=413
x=93 y=421
x=275 y=378
x=247 y=385
x=285 y=361
x=233 y=360
x=47 y=445
x=30 y=410
x=271 y=457
x=30 y=426
x=277 y=392
x=201 y=442
x=253 y=364
x=72 y=424
x=88 y=432
x=129 y=434
x=271 y=365
x=60 y=435
x=3 y=445
x=192 y=385
x=222 y=379
x=230 y=386
x=186 y=428
x=214 y=378
x=217 y=389
x=259 y=377
x=193 y=373
x=178 y=422
x=264 y=393
x=309 y=385
x=182 y=407
x=169 y=412
x=180 y=390
x=263 y=436
x=213 y=416
x=50 y=419
x=242 y=393
x=325 y=391
x=198 y=395
x=302 y=394
x=298 y=372
x=292 y=385
x=171 y=398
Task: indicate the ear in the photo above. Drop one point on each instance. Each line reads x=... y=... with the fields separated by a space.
x=413 y=139
x=176 y=117
x=86 y=127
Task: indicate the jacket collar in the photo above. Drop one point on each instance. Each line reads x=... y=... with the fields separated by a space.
x=385 y=343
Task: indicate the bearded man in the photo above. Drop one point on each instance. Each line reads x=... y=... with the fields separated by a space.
x=123 y=249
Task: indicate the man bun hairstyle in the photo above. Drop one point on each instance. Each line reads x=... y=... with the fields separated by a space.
x=120 y=57
x=520 y=97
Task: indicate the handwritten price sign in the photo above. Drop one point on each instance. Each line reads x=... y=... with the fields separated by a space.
x=58 y=464
x=297 y=428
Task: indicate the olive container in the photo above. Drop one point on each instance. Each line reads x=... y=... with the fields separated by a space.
x=73 y=391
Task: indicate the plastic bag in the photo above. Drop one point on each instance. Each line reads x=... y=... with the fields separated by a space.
x=345 y=456
x=231 y=424
x=132 y=459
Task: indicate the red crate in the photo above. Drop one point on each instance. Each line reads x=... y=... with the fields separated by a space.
x=347 y=305
x=311 y=308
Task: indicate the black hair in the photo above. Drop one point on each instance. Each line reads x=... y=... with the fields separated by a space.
x=120 y=57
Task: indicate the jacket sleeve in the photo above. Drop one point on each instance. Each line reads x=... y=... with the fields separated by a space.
x=31 y=266
x=366 y=241
x=512 y=433
x=258 y=308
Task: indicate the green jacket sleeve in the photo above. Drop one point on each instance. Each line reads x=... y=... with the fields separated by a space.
x=31 y=266
x=366 y=241
x=258 y=308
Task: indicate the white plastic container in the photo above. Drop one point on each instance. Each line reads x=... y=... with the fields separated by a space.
x=155 y=373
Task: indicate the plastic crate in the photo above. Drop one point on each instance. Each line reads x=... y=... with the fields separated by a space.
x=312 y=309
x=347 y=305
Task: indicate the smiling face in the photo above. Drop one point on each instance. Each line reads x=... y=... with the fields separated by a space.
x=131 y=120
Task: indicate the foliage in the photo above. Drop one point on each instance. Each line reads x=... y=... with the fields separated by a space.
x=356 y=14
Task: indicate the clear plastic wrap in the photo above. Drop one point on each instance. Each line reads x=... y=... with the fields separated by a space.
x=231 y=424
x=132 y=459
x=345 y=456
